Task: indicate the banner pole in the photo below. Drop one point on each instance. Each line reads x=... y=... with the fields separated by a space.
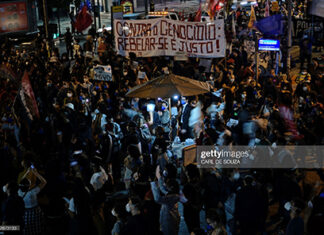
x=289 y=39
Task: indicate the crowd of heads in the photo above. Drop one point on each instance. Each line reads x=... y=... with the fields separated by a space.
x=108 y=159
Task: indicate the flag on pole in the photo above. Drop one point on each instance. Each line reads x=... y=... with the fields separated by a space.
x=252 y=18
x=83 y=19
x=233 y=25
x=271 y=25
x=198 y=14
x=27 y=97
x=211 y=9
x=317 y=8
x=267 y=9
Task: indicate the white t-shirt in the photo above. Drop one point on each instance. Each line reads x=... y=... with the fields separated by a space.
x=30 y=198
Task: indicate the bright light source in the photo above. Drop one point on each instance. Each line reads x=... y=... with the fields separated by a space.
x=175 y=97
x=244 y=3
x=150 y=107
x=159 y=98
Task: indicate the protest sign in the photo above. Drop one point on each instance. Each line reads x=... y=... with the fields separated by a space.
x=303 y=25
x=102 y=73
x=141 y=75
x=249 y=46
x=165 y=37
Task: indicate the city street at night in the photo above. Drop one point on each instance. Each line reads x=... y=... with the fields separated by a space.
x=155 y=117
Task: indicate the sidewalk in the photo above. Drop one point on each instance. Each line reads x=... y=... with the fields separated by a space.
x=105 y=17
x=186 y=7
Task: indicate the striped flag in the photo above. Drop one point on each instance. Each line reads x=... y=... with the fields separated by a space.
x=28 y=98
x=233 y=25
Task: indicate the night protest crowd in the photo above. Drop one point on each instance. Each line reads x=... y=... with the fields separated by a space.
x=92 y=161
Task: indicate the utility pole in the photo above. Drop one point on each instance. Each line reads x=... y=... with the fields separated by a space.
x=289 y=38
x=59 y=21
x=99 y=20
x=146 y=7
x=94 y=14
x=46 y=26
x=256 y=55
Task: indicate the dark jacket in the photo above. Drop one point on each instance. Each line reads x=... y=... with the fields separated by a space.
x=13 y=211
x=185 y=116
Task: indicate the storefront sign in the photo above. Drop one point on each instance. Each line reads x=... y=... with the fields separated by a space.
x=13 y=17
x=269 y=45
x=127 y=6
x=117 y=12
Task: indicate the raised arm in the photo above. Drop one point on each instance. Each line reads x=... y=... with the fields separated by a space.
x=43 y=182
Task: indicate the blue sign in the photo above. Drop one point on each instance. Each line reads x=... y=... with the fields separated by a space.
x=269 y=45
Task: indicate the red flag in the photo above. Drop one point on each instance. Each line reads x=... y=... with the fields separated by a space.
x=267 y=10
x=183 y=16
x=28 y=97
x=198 y=14
x=83 y=19
x=213 y=7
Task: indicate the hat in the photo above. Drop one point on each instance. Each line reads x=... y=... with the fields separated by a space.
x=70 y=105
x=95 y=180
x=231 y=61
x=132 y=124
x=53 y=59
x=96 y=59
x=89 y=37
x=88 y=54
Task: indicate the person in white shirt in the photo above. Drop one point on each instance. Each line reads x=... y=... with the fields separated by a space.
x=34 y=217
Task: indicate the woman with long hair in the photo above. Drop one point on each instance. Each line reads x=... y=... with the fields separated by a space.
x=34 y=217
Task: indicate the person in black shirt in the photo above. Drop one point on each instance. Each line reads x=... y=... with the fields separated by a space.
x=68 y=42
x=13 y=208
x=135 y=224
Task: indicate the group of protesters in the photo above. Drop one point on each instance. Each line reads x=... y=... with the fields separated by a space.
x=93 y=161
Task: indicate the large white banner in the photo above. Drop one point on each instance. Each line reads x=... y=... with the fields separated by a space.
x=165 y=37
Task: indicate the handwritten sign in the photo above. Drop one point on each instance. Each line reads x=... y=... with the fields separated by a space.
x=165 y=37
x=102 y=73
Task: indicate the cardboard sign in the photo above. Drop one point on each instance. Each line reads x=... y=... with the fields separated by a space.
x=102 y=73
x=141 y=75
